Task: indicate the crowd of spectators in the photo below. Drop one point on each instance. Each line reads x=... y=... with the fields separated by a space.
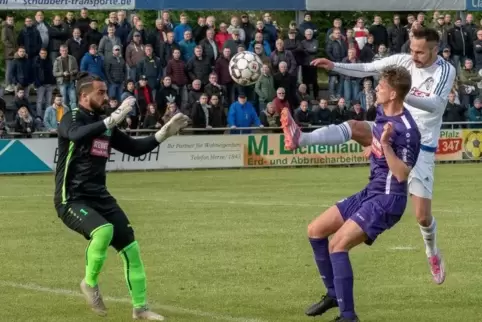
x=183 y=67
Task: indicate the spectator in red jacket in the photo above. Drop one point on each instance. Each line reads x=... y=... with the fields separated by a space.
x=221 y=36
x=281 y=101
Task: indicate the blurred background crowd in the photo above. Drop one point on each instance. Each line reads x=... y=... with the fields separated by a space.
x=177 y=64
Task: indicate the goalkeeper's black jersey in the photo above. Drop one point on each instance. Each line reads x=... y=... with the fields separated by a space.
x=84 y=145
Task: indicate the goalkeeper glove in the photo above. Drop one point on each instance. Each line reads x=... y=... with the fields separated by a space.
x=175 y=124
x=119 y=115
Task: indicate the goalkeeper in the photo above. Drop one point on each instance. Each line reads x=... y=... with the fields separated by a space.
x=81 y=197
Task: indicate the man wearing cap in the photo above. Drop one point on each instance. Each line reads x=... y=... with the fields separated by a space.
x=235 y=41
x=115 y=72
x=242 y=114
x=442 y=30
x=447 y=55
x=357 y=113
x=134 y=54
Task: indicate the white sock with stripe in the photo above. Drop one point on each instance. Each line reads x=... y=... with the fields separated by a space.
x=429 y=237
x=328 y=135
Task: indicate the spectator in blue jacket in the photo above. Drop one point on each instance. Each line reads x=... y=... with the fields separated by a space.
x=258 y=39
x=475 y=114
x=54 y=113
x=187 y=46
x=181 y=28
x=242 y=114
x=93 y=63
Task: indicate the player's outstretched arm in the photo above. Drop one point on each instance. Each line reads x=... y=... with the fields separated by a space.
x=361 y=70
x=72 y=130
x=124 y=143
x=439 y=93
x=137 y=147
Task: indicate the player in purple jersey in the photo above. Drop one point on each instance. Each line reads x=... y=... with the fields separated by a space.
x=365 y=215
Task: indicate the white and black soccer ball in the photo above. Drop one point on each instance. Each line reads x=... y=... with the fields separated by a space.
x=245 y=68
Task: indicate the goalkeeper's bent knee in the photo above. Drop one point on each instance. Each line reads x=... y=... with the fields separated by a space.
x=103 y=235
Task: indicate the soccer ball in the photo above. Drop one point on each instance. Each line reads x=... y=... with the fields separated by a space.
x=473 y=145
x=245 y=68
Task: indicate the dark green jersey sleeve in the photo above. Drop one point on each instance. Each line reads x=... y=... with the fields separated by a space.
x=133 y=147
x=72 y=128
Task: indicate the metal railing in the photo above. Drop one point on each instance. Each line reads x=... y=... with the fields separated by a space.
x=236 y=130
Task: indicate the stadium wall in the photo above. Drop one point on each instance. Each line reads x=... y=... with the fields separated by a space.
x=225 y=151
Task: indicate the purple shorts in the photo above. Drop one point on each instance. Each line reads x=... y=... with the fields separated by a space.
x=374 y=213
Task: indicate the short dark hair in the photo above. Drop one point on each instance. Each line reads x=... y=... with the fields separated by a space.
x=398 y=78
x=85 y=82
x=429 y=34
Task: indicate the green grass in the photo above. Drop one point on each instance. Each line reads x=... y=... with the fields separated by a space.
x=231 y=246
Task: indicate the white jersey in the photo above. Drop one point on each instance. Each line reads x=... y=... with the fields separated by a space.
x=429 y=93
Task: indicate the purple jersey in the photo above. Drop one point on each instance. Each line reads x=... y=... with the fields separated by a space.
x=405 y=142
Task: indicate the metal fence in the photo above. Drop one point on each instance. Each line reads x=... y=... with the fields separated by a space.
x=229 y=130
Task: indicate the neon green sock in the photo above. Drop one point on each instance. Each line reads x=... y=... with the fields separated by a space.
x=134 y=274
x=96 y=253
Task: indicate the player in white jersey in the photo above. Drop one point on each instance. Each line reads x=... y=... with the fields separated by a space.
x=432 y=80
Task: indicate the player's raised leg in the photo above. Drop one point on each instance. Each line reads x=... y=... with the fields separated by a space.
x=86 y=221
x=360 y=131
x=318 y=232
x=420 y=188
x=124 y=242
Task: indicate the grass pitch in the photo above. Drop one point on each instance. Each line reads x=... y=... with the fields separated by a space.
x=231 y=246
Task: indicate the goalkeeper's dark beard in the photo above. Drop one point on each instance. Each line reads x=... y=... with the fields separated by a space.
x=96 y=106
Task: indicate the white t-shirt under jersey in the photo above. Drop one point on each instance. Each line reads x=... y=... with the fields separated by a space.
x=429 y=93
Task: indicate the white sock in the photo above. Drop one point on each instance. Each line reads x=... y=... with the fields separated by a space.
x=429 y=237
x=328 y=135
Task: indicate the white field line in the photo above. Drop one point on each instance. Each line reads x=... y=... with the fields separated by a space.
x=403 y=248
x=168 y=308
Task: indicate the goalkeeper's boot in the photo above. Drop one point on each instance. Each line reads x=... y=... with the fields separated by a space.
x=291 y=130
x=327 y=302
x=175 y=124
x=144 y=313
x=342 y=319
x=437 y=267
x=93 y=298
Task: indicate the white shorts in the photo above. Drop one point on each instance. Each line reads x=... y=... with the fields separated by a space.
x=420 y=180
